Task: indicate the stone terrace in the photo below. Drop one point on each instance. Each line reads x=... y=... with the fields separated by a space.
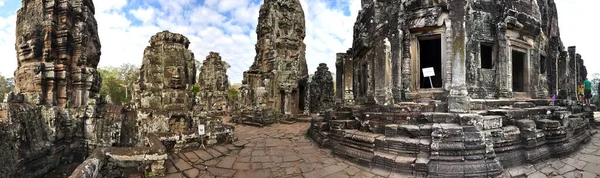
x=284 y=151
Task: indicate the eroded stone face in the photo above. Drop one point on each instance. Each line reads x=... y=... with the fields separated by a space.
x=280 y=63
x=167 y=74
x=213 y=83
x=57 y=58
x=321 y=89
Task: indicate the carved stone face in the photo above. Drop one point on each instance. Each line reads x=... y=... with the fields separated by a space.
x=29 y=78
x=29 y=47
x=174 y=76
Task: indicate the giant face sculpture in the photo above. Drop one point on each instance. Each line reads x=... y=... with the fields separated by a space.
x=174 y=77
x=29 y=46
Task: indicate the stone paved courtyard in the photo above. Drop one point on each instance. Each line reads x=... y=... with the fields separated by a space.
x=283 y=151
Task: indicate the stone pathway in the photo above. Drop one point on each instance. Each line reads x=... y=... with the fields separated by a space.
x=284 y=151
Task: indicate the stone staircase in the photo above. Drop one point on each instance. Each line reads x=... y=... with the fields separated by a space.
x=423 y=140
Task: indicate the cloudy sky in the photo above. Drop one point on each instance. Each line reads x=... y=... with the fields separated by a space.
x=228 y=27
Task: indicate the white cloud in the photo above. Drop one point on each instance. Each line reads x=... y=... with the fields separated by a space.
x=1 y=3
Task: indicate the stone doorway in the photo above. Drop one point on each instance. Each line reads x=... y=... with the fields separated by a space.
x=430 y=55
x=518 y=71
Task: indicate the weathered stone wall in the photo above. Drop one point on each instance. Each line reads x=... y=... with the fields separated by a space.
x=476 y=51
x=58 y=50
x=277 y=78
x=213 y=83
x=321 y=89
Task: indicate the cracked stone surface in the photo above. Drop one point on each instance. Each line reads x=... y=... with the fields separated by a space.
x=283 y=151
x=276 y=151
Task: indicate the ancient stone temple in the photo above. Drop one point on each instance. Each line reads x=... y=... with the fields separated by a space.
x=455 y=89
x=213 y=83
x=277 y=78
x=56 y=85
x=58 y=49
x=321 y=89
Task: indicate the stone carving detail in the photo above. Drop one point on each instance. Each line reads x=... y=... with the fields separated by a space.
x=277 y=78
x=321 y=89
x=168 y=74
x=58 y=50
x=213 y=83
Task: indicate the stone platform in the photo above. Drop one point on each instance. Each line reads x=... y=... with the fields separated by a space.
x=498 y=138
x=283 y=150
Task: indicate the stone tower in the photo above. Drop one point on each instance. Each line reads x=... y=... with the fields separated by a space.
x=213 y=82
x=277 y=78
x=321 y=89
x=58 y=50
x=168 y=74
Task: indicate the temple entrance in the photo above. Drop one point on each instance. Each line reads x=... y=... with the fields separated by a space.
x=301 y=98
x=518 y=71
x=430 y=55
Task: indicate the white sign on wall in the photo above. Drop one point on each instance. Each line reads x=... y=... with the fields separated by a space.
x=201 y=129
x=428 y=72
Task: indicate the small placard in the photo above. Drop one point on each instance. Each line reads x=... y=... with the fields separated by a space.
x=428 y=72
x=201 y=129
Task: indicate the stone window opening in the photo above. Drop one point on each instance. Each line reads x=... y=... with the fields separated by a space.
x=486 y=57
x=542 y=64
x=430 y=55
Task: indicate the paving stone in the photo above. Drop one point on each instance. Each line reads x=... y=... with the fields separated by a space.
x=565 y=169
x=341 y=174
x=203 y=155
x=572 y=174
x=263 y=173
x=380 y=172
x=240 y=143
x=246 y=152
x=214 y=152
x=226 y=162
x=587 y=151
x=181 y=164
x=574 y=162
x=321 y=172
x=211 y=163
x=307 y=167
x=557 y=164
x=277 y=159
x=521 y=170
x=292 y=170
x=537 y=175
x=258 y=153
x=364 y=174
x=547 y=170
x=261 y=159
x=290 y=158
x=241 y=166
x=587 y=174
x=591 y=158
x=222 y=149
x=352 y=170
x=191 y=156
x=221 y=172
x=245 y=159
x=192 y=173
x=175 y=175
x=268 y=165
x=592 y=167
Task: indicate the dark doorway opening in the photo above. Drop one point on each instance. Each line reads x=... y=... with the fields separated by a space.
x=518 y=71
x=301 y=98
x=486 y=56
x=363 y=82
x=430 y=55
x=542 y=64
x=282 y=93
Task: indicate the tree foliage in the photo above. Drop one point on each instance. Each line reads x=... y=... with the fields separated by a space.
x=6 y=86
x=118 y=82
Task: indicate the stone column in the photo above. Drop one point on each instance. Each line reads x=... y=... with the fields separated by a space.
x=458 y=100
x=503 y=70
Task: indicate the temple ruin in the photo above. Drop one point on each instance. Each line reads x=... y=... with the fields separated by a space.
x=455 y=89
x=321 y=90
x=278 y=77
x=213 y=83
x=57 y=118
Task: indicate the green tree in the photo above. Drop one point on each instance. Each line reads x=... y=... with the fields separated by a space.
x=118 y=82
x=6 y=86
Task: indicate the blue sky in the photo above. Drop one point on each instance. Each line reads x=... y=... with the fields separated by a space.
x=227 y=27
